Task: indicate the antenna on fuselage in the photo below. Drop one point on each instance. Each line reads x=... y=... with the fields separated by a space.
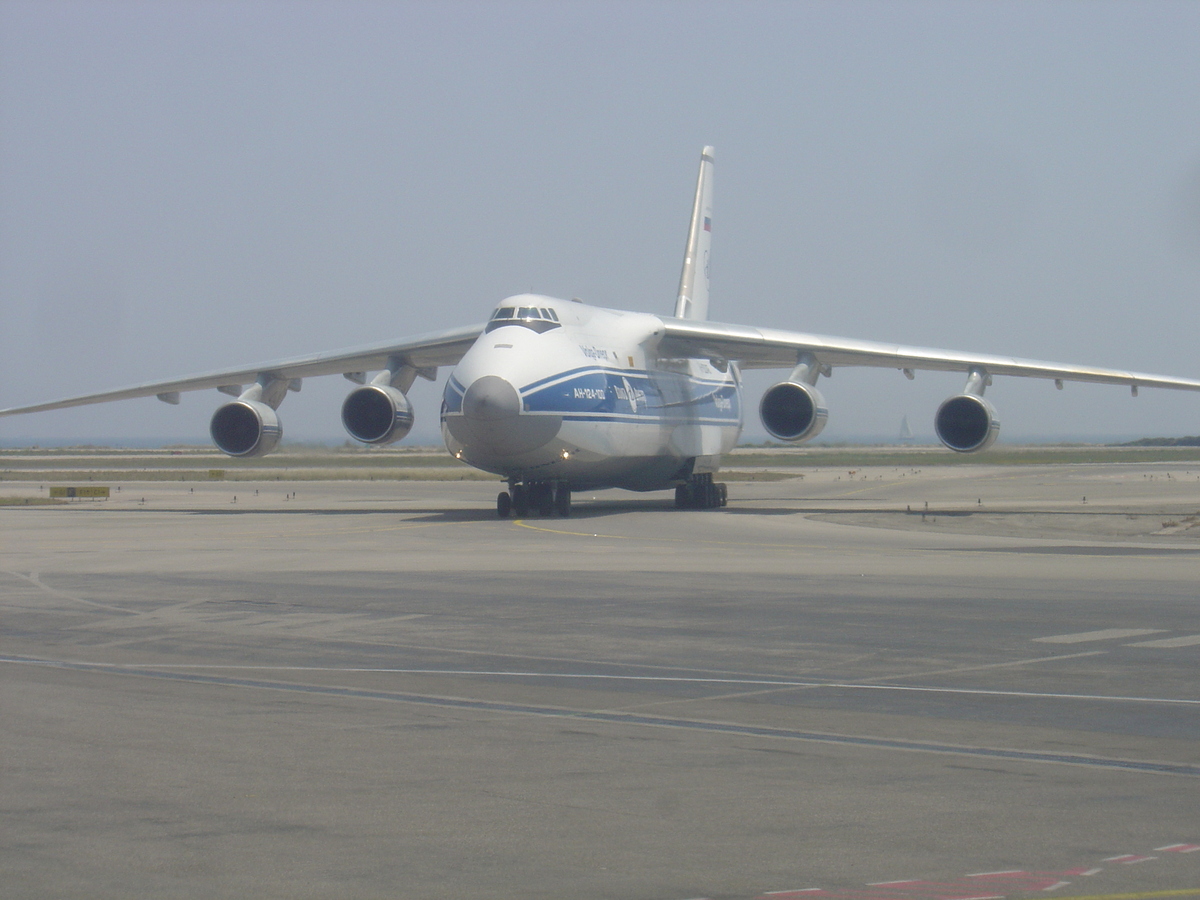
x=692 y=301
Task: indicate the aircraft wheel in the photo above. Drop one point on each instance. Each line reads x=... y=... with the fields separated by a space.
x=503 y=504
x=562 y=501
x=544 y=500
x=681 y=496
x=520 y=501
x=722 y=495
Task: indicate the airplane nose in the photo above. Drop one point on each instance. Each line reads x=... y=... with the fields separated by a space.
x=491 y=400
x=494 y=424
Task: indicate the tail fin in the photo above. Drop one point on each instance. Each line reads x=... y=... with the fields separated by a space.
x=692 y=302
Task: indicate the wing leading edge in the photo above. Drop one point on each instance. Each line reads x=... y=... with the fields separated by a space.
x=424 y=352
x=766 y=348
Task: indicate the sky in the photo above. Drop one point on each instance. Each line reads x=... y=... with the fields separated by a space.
x=186 y=186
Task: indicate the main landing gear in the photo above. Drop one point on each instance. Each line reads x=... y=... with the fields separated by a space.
x=700 y=492
x=546 y=498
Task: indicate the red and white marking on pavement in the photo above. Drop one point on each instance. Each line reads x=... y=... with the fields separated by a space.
x=979 y=886
x=1129 y=858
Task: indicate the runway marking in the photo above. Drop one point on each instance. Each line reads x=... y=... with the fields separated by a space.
x=35 y=579
x=866 y=895
x=973 y=887
x=1001 y=665
x=498 y=654
x=601 y=676
x=1178 y=848
x=993 y=874
x=1190 y=640
x=1106 y=634
x=774 y=690
x=623 y=718
x=1129 y=858
x=978 y=886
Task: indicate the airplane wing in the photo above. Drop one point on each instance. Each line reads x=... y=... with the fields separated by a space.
x=426 y=352
x=766 y=348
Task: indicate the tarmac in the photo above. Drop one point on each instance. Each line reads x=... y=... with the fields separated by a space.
x=869 y=684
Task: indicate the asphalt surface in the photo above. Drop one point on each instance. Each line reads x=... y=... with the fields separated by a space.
x=382 y=690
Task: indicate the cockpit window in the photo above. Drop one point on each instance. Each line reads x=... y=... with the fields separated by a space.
x=541 y=326
x=531 y=317
x=525 y=312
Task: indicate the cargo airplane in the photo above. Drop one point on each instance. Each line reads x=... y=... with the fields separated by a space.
x=555 y=396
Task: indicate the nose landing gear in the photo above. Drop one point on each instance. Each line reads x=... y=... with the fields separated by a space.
x=546 y=498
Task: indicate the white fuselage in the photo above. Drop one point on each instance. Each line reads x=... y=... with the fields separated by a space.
x=562 y=391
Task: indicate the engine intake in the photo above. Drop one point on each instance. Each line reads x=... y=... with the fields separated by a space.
x=791 y=411
x=245 y=428
x=377 y=414
x=966 y=423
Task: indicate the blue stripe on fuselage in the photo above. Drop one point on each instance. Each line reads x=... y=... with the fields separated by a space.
x=452 y=396
x=595 y=393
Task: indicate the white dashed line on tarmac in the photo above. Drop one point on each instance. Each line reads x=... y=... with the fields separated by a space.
x=1106 y=634
x=1187 y=640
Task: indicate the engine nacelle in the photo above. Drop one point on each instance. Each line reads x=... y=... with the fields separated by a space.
x=245 y=428
x=792 y=411
x=966 y=423
x=377 y=414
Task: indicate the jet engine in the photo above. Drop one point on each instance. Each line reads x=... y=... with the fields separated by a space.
x=245 y=428
x=793 y=411
x=377 y=414
x=966 y=423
